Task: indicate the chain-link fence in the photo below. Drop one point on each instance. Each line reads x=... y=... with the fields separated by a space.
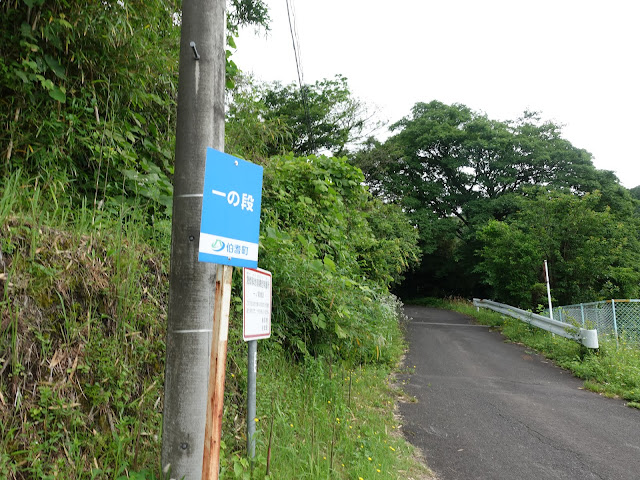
x=617 y=318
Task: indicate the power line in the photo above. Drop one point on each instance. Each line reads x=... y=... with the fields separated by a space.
x=295 y=40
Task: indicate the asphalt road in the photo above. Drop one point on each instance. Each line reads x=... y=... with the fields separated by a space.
x=487 y=409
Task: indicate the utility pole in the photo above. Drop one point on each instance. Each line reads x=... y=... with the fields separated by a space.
x=200 y=124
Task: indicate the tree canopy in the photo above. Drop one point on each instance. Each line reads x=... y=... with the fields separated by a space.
x=593 y=253
x=321 y=118
x=450 y=159
x=453 y=170
x=88 y=92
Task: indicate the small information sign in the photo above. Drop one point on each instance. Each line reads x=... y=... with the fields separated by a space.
x=230 y=225
x=256 y=304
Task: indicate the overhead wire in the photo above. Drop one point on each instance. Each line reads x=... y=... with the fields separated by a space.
x=295 y=40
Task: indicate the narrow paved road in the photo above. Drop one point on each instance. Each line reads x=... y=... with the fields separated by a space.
x=491 y=410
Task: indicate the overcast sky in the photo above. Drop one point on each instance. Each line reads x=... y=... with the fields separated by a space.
x=575 y=61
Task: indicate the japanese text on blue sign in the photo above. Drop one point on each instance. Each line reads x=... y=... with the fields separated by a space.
x=231 y=199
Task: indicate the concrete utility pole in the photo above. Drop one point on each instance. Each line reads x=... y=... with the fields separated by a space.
x=200 y=125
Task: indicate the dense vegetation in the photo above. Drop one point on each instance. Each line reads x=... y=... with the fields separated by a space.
x=83 y=299
x=84 y=101
x=493 y=199
x=336 y=250
x=473 y=204
x=85 y=202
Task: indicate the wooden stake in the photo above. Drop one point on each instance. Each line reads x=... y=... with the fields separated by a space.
x=215 y=395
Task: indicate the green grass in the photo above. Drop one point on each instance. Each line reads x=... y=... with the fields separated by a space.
x=81 y=349
x=326 y=419
x=330 y=421
x=83 y=299
x=613 y=370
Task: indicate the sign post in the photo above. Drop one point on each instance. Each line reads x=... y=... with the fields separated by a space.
x=229 y=235
x=217 y=366
x=546 y=276
x=252 y=370
x=256 y=324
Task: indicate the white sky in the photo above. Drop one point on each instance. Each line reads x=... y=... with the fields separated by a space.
x=575 y=61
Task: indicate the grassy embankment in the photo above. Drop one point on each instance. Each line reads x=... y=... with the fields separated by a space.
x=83 y=298
x=613 y=371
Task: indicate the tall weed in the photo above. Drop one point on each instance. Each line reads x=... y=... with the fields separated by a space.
x=86 y=352
x=321 y=233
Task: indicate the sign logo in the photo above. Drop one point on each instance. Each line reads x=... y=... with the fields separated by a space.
x=218 y=245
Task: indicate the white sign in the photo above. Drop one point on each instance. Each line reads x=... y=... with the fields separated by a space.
x=256 y=304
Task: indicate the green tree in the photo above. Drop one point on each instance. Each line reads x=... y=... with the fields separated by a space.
x=247 y=12
x=593 y=254
x=248 y=134
x=453 y=170
x=320 y=118
x=510 y=263
x=449 y=159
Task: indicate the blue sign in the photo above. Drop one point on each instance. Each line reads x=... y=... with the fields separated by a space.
x=230 y=224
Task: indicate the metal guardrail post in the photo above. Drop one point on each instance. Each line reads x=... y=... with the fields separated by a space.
x=615 y=323
x=582 y=313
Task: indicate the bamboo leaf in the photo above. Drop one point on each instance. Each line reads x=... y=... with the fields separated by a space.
x=55 y=67
x=58 y=94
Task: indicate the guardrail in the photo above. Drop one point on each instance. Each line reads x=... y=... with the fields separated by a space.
x=588 y=338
